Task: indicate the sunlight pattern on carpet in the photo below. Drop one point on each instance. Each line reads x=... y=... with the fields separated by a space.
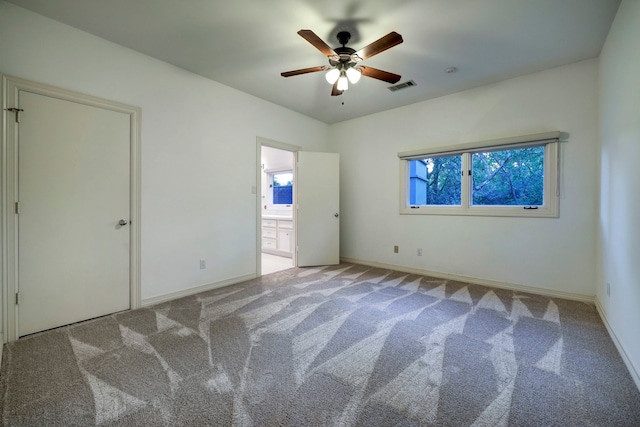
x=335 y=346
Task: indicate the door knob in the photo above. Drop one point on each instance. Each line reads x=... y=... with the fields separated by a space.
x=123 y=222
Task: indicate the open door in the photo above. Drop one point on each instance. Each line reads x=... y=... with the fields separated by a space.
x=318 y=208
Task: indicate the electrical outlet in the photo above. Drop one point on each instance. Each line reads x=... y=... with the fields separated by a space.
x=608 y=289
x=203 y=264
x=395 y=249
x=419 y=251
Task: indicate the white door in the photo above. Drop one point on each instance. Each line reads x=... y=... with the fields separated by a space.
x=73 y=189
x=318 y=202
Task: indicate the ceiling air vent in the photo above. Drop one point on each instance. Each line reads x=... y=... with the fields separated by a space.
x=402 y=85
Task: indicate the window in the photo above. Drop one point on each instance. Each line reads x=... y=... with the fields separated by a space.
x=435 y=181
x=507 y=177
x=281 y=184
x=511 y=177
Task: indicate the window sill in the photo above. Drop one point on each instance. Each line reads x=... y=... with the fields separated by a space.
x=541 y=212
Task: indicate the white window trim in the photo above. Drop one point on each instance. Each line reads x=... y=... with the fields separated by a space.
x=550 y=208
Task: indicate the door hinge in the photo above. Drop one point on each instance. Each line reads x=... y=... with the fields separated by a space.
x=17 y=298
x=17 y=207
x=17 y=111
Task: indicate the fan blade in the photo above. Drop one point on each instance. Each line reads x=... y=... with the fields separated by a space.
x=303 y=71
x=390 y=40
x=335 y=91
x=379 y=74
x=317 y=42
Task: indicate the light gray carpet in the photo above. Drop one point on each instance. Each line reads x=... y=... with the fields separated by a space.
x=335 y=346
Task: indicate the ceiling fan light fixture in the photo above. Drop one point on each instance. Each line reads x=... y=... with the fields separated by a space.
x=353 y=74
x=343 y=83
x=332 y=75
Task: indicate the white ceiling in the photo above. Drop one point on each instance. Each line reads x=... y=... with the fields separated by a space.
x=245 y=44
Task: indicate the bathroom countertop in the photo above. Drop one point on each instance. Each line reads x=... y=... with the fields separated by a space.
x=277 y=217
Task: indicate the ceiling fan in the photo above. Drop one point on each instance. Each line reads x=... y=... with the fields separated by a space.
x=344 y=62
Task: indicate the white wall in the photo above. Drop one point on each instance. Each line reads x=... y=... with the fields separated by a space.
x=546 y=253
x=198 y=145
x=619 y=225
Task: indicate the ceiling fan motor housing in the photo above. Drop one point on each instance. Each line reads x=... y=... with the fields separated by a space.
x=344 y=55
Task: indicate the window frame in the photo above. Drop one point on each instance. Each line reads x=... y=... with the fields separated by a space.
x=270 y=186
x=549 y=209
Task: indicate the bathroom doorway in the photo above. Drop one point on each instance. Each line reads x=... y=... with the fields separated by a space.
x=276 y=194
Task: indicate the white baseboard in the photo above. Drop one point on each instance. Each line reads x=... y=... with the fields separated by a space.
x=635 y=373
x=195 y=290
x=477 y=281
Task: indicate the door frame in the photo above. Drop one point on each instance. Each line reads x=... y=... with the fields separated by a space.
x=9 y=190
x=260 y=142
